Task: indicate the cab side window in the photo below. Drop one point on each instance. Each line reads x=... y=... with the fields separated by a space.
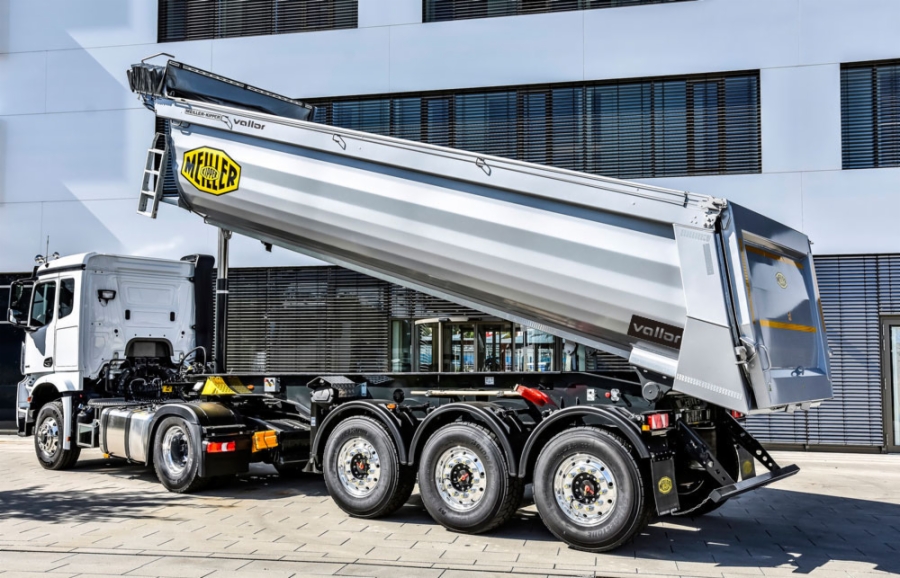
x=42 y=306
x=66 y=297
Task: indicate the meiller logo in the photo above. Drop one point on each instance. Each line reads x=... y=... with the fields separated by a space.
x=249 y=123
x=655 y=331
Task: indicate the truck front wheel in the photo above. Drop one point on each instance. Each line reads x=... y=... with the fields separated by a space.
x=464 y=480
x=589 y=490
x=175 y=457
x=362 y=469
x=49 y=436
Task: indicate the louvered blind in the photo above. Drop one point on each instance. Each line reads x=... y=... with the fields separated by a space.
x=319 y=319
x=705 y=125
x=439 y=10
x=855 y=291
x=203 y=19
x=870 y=115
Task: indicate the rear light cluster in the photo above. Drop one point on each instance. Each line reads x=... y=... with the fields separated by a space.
x=220 y=447
x=736 y=414
x=655 y=421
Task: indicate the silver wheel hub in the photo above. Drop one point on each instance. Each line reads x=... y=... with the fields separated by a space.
x=358 y=467
x=48 y=436
x=460 y=478
x=176 y=451
x=585 y=489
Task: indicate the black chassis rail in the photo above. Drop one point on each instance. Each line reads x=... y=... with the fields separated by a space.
x=580 y=399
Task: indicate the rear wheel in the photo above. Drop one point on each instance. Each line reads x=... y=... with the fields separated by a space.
x=464 y=479
x=589 y=490
x=363 y=471
x=175 y=457
x=49 y=437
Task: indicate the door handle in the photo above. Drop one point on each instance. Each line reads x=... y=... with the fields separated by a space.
x=48 y=362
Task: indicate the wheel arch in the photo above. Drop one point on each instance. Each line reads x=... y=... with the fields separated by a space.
x=579 y=415
x=467 y=411
x=52 y=387
x=399 y=431
x=197 y=417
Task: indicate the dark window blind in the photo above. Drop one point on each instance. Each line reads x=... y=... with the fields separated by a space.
x=441 y=10
x=870 y=115
x=707 y=125
x=204 y=19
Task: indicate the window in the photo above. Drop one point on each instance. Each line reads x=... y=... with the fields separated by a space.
x=439 y=10
x=870 y=115
x=199 y=20
x=66 y=297
x=42 y=306
x=703 y=125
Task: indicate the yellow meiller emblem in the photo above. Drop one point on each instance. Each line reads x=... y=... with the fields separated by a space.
x=211 y=170
x=665 y=485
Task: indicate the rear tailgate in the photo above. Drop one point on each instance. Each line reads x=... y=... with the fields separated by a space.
x=777 y=309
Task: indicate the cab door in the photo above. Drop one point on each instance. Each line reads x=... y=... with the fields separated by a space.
x=67 y=324
x=40 y=344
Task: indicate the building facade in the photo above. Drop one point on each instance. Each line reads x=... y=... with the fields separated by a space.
x=789 y=107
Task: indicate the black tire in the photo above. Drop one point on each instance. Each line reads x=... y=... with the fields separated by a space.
x=175 y=457
x=699 y=484
x=49 y=434
x=630 y=508
x=495 y=494
x=384 y=485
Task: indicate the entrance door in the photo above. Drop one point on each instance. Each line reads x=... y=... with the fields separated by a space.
x=890 y=332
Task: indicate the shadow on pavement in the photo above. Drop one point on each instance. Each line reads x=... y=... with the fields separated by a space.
x=768 y=528
x=772 y=527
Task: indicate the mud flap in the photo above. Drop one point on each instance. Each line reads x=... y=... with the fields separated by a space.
x=662 y=472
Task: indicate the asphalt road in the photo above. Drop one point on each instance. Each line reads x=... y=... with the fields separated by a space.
x=840 y=517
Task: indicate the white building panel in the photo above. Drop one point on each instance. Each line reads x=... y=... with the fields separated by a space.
x=22 y=83
x=848 y=30
x=65 y=24
x=70 y=157
x=801 y=118
x=308 y=64
x=382 y=13
x=20 y=234
x=849 y=212
x=487 y=52
x=689 y=38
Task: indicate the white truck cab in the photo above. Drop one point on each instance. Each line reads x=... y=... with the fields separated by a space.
x=91 y=318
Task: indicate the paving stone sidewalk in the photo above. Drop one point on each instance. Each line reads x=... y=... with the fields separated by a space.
x=840 y=517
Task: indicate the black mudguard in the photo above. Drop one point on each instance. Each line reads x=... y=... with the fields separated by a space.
x=210 y=421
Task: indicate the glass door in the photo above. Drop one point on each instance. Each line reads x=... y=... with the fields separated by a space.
x=891 y=363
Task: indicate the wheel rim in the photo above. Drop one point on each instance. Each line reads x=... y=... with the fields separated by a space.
x=48 y=436
x=176 y=451
x=358 y=467
x=585 y=489
x=460 y=478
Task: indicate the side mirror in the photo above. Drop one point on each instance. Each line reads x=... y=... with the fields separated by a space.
x=19 y=302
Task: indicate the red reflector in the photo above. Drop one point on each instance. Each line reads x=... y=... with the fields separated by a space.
x=736 y=414
x=658 y=421
x=220 y=447
x=535 y=396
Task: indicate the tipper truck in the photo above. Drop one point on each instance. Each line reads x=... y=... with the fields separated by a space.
x=714 y=306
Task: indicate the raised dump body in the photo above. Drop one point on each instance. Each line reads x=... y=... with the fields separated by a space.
x=709 y=298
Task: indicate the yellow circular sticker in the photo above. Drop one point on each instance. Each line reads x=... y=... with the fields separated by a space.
x=665 y=485
x=781 y=279
x=747 y=467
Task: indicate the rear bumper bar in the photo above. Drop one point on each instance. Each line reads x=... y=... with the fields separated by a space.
x=721 y=494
